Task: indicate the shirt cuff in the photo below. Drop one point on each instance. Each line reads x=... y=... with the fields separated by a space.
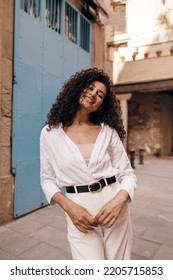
x=50 y=190
x=130 y=191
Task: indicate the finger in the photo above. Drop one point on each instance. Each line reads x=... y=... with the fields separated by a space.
x=106 y=220
x=99 y=214
x=81 y=229
x=84 y=228
x=95 y=224
x=87 y=224
x=103 y=217
x=90 y=219
x=84 y=224
x=110 y=223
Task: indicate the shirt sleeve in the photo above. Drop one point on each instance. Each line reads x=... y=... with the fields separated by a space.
x=120 y=161
x=47 y=175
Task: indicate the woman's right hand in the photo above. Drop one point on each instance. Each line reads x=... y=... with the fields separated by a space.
x=80 y=217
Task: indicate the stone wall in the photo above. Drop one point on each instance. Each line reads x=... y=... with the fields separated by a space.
x=151 y=123
x=6 y=66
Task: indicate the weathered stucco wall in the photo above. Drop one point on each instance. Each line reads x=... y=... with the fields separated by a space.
x=151 y=69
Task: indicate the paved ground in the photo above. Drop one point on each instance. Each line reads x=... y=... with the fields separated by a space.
x=42 y=234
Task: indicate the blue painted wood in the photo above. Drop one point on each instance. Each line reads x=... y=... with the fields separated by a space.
x=27 y=112
x=43 y=59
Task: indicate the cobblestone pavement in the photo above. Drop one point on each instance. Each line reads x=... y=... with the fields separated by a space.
x=42 y=233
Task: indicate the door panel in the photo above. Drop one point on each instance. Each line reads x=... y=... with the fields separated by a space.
x=43 y=59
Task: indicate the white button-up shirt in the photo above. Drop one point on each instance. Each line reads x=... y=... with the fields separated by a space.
x=62 y=164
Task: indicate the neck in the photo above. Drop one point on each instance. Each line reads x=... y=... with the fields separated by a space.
x=81 y=118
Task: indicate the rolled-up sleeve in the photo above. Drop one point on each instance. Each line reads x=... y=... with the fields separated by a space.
x=120 y=161
x=47 y=174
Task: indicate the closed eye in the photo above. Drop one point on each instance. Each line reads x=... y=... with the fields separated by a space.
x=100 y=95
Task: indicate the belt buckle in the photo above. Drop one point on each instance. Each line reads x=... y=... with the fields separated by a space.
x=92 y=185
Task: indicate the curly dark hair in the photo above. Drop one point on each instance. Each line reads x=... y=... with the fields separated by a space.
x=67 y=102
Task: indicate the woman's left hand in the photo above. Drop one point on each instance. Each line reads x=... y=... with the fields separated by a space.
x=110 y=211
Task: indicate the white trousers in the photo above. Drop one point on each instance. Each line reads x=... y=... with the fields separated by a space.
x=101 y=243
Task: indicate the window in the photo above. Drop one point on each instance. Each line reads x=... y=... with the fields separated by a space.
x=70 y=23
x=84 y=34
x=32 y=7
x=53 y=14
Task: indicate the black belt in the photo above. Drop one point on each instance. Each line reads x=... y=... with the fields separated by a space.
x=92 y=187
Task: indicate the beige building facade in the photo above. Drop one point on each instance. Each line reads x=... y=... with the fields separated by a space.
x=139 y=47
x=98 y=13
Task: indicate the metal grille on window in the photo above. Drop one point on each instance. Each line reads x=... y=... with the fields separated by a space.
x=70 y=23
x=32 y=7
x=53 y=14
x=84 y=34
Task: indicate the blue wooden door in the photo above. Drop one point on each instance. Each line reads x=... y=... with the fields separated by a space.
x=43 y=58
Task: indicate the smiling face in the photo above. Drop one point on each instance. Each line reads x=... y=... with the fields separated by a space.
x=92 y=97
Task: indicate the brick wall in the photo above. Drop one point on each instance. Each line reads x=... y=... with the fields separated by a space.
x=6 y=66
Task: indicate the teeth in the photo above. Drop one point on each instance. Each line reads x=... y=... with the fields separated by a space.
x=90 y=100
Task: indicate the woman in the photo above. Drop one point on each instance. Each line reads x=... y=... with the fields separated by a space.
x=82 y=153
